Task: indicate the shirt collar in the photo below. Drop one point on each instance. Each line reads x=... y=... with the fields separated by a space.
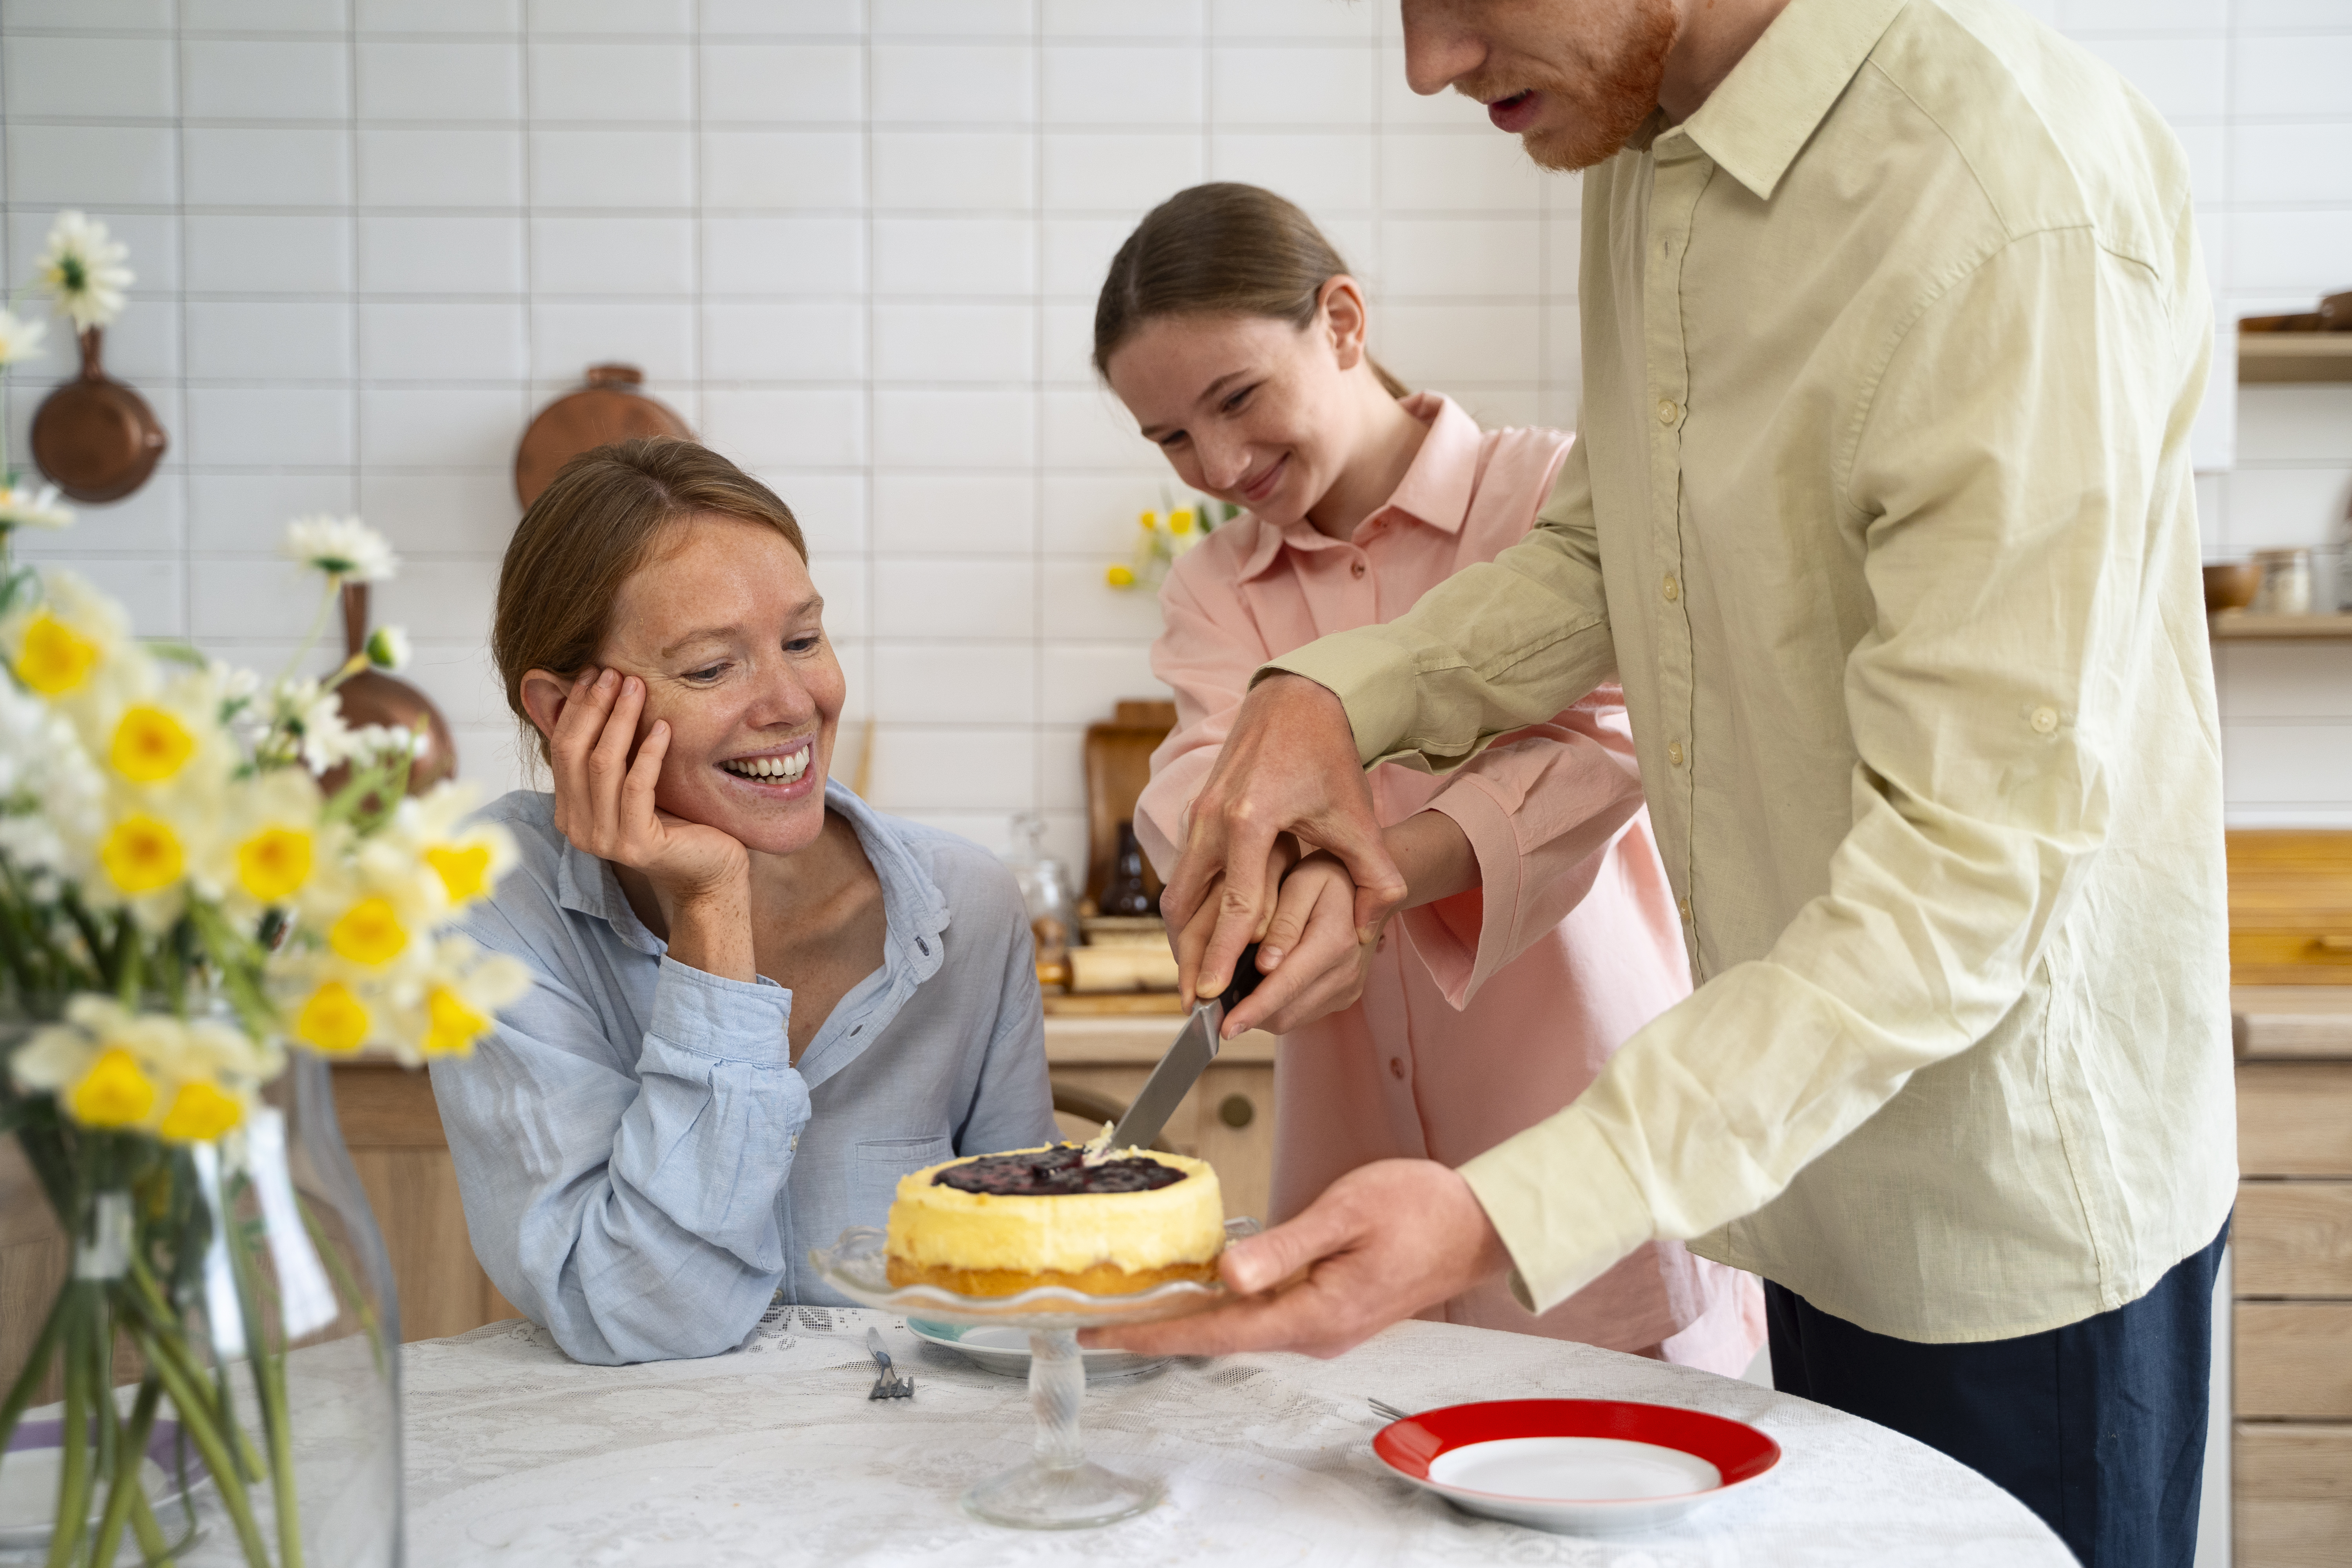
x=914 y=911
x=1756 y=122
x=1436 y=490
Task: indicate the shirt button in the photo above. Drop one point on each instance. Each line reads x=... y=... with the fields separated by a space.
x=1396 y=1068
x=1673 y=589
x=1675 y=753
x=2045 y=720
x=1356 y=569
x=1684 y=905
x=1667 y=412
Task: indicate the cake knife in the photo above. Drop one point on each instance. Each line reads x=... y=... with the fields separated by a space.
x=1195 y=1047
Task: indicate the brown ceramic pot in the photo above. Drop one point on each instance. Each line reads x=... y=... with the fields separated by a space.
x=94 y=438
x=371 y=697
x=609 y=408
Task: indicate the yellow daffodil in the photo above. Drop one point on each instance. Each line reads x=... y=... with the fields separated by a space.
x=1119 y=576
x=273 y=865
x=141 y=855
x=333 y=1019
x=1179 y=522
x=113 y=1093
x=200 y=1112
x=53 y=659
x=150 y=746
x=451 y=1026
x=464 y=870
x=369 y=933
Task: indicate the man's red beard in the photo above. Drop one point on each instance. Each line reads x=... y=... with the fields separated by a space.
x=1607 y=97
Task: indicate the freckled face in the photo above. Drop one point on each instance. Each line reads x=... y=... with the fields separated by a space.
x=726 y=630
x=1231 y=401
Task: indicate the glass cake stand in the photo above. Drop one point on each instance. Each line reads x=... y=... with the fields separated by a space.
x=1057 y=1487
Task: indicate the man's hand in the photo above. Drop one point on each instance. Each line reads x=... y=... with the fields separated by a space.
x=1383 y=1241
x=1289 y=764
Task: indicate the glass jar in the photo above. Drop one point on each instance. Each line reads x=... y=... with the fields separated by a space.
x=2285 y=588
x=225 y=1308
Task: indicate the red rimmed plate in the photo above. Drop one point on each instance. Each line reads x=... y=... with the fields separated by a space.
x=1582 y=1466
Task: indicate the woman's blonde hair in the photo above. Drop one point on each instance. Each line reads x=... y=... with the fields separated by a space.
x=1218 y=249
x=601 y=518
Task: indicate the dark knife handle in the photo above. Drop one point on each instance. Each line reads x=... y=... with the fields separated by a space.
x=1244 y=980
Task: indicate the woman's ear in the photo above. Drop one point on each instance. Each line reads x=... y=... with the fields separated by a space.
x=1344 y=320
x=544 y=697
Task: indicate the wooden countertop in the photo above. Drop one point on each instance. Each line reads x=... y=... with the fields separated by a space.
x=2273 y=1021
x=1136 y=1041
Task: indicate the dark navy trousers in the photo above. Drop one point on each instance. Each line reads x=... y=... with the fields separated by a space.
x=2099 y=1427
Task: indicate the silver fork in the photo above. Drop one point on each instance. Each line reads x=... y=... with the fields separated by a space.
x=1387 y=1411
x=889 y=1385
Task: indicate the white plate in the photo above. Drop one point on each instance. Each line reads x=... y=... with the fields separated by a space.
x=1582 y=1466
x=1005 y=1350
x=28 y=1485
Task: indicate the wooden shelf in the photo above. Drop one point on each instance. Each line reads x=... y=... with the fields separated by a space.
x=2237 y=626
x=2295 y=356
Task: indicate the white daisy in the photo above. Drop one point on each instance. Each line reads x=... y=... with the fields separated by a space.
x=22 y=506
x=20 y=340
x=83 y=270
x=344 y=548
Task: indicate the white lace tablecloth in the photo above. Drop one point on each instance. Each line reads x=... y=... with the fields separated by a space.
x=772 y=1454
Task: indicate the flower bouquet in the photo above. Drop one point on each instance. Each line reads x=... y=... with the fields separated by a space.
x=188 y=922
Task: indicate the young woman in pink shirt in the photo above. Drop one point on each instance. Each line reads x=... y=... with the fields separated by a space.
x=1231 y=330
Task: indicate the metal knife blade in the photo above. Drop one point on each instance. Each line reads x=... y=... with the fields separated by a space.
x=1195 y=1047
x=874 y=1348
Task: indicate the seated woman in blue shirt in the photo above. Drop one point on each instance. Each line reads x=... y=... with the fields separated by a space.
x=758 y=1003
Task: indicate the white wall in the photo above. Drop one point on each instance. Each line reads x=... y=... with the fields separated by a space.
x=857 y=246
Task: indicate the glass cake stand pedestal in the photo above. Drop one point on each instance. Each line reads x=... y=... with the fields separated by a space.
x=1058 y=1488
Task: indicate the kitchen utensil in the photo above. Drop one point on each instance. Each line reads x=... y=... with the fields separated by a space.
x=1195 y=1047
x=2286 y=583
x=1581 y=1467
x=1004 y=1350
x=1387 y=1411
x=1057 y=1488
x=2231 y=584
x=889 y=1385
x=608 y=409
x=95 y=439
x=371 y=697
x=1117 y=758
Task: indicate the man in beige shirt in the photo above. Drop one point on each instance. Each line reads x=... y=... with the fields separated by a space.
x=1893 y=329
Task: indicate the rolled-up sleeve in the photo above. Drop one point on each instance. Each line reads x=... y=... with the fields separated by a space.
x=1541 y=808
x=634 y=1216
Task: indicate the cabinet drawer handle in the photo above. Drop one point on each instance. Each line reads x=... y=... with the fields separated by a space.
x=1236 y=1112
x=2332 y=942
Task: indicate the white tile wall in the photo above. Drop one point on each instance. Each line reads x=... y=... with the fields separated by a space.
x=857 y=245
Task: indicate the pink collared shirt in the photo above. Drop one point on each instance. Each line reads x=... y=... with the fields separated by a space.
x=1485 y=1013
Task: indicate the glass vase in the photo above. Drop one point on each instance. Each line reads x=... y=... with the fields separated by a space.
x=216 y=1380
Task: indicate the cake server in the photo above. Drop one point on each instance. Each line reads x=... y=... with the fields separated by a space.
x=1195 y=1047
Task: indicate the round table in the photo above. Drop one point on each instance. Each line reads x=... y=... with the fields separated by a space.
x=773 y=1454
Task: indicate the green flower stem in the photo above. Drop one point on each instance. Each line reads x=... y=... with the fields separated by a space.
x=72 y=1515
x=198 y=1421
x=333 y=1258
x=129 y=1477
x=269 y=1372
x=166 y=1338
x=20 y=1393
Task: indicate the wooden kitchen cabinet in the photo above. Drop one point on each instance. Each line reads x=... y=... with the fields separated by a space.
x=2292 y=1251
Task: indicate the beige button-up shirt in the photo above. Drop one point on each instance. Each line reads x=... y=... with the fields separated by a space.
x=1883 y=517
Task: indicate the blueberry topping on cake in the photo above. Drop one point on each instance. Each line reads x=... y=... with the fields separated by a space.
x=1056 y=1173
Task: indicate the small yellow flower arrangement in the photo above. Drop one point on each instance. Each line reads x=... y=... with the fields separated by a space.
x=1164 y=535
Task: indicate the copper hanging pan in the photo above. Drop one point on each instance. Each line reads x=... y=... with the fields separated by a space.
x=609 y=408
x=371 y=697
x=94 y=438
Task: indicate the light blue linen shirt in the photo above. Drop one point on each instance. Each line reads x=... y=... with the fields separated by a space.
x=642 y=1164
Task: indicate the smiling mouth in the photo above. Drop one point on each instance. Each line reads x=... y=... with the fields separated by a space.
x=1513 y=113
x=1257 y=489
x=784 y=769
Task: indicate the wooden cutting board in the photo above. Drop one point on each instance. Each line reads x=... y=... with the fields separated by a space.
x=1118 y=764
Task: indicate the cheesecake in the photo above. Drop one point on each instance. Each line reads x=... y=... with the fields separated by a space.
x=1082 y=1216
